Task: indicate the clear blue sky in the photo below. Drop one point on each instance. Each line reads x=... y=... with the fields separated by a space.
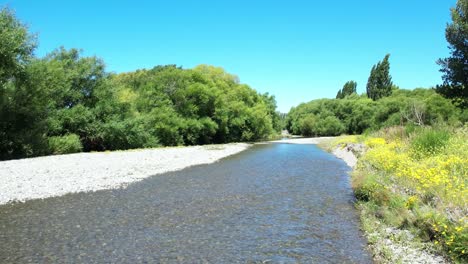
x=296 y=50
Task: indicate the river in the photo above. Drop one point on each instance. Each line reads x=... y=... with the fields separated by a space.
x=273 y=203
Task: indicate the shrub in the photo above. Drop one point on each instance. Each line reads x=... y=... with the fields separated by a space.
x=464 y=116
x=65 y=144
x=418 y=183
x=307 y=125
x=329 y=126
x=430 y=141
x=365 y=186
x=359 y=114
x=373 y=142
x=394 y=133
x=127 y=134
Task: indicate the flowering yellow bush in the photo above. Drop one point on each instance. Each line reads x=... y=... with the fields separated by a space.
x=436 y=179
x=374 y=142
x=444 y=175
x=386 y=157
x=411 y=202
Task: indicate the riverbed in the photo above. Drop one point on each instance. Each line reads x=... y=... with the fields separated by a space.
x=273 y=203
x=42 y=177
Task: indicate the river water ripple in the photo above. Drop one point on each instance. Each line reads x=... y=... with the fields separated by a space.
x=274 y=203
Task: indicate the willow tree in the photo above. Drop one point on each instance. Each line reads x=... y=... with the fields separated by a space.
x=22 y=103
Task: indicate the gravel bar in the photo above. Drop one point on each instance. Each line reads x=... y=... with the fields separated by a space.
x=50 y=176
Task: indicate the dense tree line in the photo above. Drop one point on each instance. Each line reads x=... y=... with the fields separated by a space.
x=357 y=113
x=66 y=103
x=385 y=105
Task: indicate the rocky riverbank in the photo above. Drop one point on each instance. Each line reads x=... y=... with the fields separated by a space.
x=49 y=176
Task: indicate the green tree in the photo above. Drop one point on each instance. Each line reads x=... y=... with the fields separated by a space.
x=73 y=84
x=270 y=102
x=16 y=47
x=356 y=114
x=380 y=83
x=349 y=88
x=329 y=126
x=339 y=94
x=455 y=68
x=22 y=102
x=308 y=125
x=66 y=103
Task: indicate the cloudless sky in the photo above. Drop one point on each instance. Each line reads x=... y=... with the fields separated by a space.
x=296 y=50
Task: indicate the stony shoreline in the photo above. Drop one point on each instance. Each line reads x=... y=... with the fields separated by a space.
x=49 y=176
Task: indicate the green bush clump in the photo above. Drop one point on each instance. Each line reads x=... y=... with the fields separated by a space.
x=366 y=187
x=356 y=114
x=429 y=141
x=323 y=125
x=65 y=144
x=415 y=181
x=46 y=101
x=329 y=125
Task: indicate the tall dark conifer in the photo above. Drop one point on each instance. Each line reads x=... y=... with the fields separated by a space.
x=380 y=83
x=348 y=89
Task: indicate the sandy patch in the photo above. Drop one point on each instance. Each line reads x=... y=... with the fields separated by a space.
x=346 y=155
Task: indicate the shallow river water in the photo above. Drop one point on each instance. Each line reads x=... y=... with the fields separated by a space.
x=274 y=203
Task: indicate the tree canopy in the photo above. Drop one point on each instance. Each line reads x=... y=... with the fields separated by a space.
x=22 y=103
x=455 y=67
x=357 y=114
x=65 y=102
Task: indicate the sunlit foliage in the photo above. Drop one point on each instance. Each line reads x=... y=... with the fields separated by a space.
x=417 y=179
x=357 y=114
x=66 y=102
